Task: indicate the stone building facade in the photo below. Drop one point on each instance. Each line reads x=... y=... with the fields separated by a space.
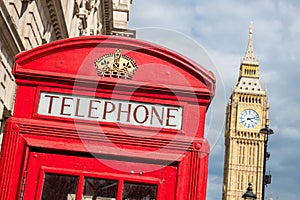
x=26 y=24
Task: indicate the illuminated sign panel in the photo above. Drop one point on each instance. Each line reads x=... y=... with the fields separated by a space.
x=110 y=110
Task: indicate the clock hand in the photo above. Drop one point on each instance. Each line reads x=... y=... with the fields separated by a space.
x=251 y=119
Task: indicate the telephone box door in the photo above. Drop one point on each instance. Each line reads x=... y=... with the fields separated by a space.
x=62 y=177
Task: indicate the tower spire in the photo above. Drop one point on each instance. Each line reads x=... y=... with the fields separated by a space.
x=249 y=57
x=249 y=70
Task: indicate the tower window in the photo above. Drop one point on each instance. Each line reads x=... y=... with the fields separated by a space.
x=250 y=155
x=241 y=153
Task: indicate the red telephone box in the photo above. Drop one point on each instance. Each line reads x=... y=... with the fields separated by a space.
x=106 y=118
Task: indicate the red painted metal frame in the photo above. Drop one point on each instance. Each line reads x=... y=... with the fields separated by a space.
x=67 y=66
x=41 y=163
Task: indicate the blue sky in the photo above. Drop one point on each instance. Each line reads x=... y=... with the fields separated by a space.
x=219 y=29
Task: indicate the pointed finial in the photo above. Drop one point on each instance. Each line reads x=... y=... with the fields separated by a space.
x=251 y=28
x=271 y=196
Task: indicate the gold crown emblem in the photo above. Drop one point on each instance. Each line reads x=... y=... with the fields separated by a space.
x=115 y=65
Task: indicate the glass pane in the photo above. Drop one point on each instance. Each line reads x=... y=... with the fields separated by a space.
x=139 y=191
x=99 y=189
x=59 y=187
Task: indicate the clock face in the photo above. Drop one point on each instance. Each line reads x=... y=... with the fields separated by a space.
x=249 y=118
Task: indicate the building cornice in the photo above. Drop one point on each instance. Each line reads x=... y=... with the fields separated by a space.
x=54 y=12
x=107 y=16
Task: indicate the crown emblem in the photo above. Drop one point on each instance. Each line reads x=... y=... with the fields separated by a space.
x=115 y=65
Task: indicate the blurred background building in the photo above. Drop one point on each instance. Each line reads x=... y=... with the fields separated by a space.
x=26 y=24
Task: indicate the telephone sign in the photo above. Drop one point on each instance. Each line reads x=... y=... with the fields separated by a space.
x=110 y=110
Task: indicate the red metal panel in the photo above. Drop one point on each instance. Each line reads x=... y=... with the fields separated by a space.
x=26 y=101
x=11 y=162
x=39 y=164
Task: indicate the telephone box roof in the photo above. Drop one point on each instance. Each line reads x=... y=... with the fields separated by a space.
x=91 y=58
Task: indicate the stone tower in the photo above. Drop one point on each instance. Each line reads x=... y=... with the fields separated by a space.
x=246 y=114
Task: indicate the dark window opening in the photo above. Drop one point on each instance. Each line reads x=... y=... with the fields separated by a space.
x=139 y=191
x=59 y=187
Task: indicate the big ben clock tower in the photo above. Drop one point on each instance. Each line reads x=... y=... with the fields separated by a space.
x=246 y=114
